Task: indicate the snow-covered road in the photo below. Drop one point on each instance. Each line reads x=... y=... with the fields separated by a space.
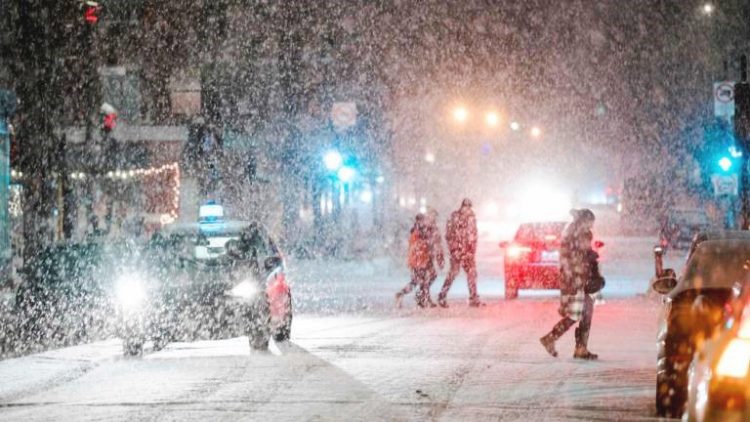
x=353 y=359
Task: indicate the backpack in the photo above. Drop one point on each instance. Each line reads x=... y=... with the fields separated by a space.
x=419 y=251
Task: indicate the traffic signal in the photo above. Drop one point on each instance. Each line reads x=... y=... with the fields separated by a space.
x=109 y=117
x=725 y=163
x=91 y=10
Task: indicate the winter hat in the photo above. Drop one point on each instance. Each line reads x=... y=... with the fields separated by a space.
x=466 y=202
x=584 y=214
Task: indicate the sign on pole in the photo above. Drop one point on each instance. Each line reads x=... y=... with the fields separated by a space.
x=724 y=100
x=725 y=184
x=343 y=115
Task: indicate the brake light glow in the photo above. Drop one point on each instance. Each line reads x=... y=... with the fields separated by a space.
x=515 y=251
x=735 y=360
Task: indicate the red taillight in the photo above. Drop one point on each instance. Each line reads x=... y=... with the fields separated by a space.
x=517 y=251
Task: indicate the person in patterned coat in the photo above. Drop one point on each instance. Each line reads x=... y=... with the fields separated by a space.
x=578 y=264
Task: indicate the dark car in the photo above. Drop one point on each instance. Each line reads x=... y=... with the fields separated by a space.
x=694 y=306
x=719 y=376
x=532 y=259
x=205 y=281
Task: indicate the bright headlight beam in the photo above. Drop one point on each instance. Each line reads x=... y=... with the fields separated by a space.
x=245 y=290
x=130 y=292
x=735 y=360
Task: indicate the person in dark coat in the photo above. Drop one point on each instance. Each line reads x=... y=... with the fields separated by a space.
x=436 y=249
x=578 y=266
x=420 y=263
x=461 y=235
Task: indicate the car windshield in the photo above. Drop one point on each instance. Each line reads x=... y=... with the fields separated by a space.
x=540 y=232
x=209 y=243
x=716 y=265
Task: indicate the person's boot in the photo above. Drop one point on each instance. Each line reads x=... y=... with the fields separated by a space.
x=430 y=303
x=476 y=303
x=399 y=296
x=441 y=301
x=548 y=342
x=582 y=351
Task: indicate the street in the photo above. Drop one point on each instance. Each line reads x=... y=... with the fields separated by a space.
x=352 y=361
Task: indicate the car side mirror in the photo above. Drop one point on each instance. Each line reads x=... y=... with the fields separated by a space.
x=272 y=262
x=658 y=261
x=665 y=283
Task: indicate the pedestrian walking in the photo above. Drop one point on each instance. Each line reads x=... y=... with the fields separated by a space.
x=461 y=236
x=420 y=263
x=580 y=280
x=436 y=250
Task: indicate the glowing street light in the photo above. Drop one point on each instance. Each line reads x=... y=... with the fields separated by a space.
x=346 y=174
x=429 y=157
x=708 y=9
x=536 y=132
x=515 y=126
x=333 y=160
x=492 y=119
x=460 y=114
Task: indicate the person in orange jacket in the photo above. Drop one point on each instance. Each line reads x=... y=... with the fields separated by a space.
x=420 y=263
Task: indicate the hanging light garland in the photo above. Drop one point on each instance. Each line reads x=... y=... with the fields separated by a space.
x=172 y=168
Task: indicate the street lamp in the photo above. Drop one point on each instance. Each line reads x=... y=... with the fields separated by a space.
x=536 y=132
x=515 y=126
x=333 y=160
x=429 y=157
x=346 y=174
x=492 y=119
x=460 y=114
x=708 y=9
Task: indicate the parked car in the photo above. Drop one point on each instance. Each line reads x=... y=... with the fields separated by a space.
x=679 y=226
x=694 y=306
x=719 y=376
x=208 y=280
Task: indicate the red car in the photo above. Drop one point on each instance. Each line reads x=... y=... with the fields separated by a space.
x=532 y=259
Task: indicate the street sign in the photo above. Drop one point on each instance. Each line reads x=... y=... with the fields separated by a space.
x=343 y=115
x=725 y=184
x=724 y=99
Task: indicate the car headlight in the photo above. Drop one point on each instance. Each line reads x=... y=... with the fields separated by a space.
x=735 y=360
x=130 y=291
x=247 y=289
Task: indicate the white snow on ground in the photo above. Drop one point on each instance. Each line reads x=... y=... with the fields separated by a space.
x=354 y=356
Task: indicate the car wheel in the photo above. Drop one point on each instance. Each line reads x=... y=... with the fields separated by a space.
x=258 y=325
x=285 y=330
x=132 y=347
x=511 y=287
x=671 y=392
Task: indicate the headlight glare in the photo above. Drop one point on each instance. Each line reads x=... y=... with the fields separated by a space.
x=130 y=292
x=245 y=290
x=735 y=360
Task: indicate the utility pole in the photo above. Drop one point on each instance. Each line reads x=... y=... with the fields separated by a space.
x=742 y=134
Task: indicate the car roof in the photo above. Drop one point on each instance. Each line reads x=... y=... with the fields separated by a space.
x=715 y=264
